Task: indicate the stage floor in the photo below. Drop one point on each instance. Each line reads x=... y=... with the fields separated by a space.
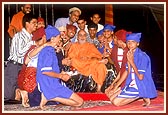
x=94 y=102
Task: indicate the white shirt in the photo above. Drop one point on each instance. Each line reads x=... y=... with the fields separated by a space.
x=21 y=42
x=100 y=27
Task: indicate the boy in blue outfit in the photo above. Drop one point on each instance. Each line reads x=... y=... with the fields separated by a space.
x=49 y=76
x=139 y=82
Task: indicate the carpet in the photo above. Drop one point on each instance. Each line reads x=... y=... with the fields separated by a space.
x=93 y=102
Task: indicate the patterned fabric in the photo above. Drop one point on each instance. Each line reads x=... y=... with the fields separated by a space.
x=29 y=82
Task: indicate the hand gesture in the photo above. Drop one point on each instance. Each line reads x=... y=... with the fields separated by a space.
x=130 y=57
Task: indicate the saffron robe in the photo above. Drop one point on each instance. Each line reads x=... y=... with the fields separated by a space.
x=85 y=59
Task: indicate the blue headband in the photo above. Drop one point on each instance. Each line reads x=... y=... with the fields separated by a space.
x=51 y=32
x=134 y=36
x=99 y=33
x=109 y=27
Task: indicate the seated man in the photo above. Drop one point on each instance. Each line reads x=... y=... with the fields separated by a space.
x=87 y=60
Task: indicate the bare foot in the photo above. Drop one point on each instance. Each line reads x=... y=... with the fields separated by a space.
x=17 y=94
x=25 y=99
x=43 y=101
x=115 y=94
x=146 y=102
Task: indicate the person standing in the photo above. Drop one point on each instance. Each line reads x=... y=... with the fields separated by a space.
x=16 y=22
x=21 y=42
x=74 y=14
x=96 y=19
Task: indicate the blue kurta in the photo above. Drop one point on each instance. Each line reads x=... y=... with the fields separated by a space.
x=50 y=86
x=146 y=86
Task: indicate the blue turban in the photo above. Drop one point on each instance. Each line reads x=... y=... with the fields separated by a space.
x=99 y=33
x=51 y=31
x=109 y=27
x=134 y=36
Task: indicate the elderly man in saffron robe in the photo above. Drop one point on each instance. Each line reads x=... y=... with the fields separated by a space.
x=88 y=60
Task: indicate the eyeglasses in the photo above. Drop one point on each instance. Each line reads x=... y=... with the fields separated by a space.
x=33 y=22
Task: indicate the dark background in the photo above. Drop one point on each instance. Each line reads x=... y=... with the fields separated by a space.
x=131 y=17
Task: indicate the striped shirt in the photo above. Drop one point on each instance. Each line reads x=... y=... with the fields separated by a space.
x=21 y=42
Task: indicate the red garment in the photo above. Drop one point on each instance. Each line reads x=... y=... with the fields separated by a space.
x=27 y=76
x=115 y=60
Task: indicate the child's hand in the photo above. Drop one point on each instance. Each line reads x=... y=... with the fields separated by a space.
x=66 y=61
x=130 y=56
x=65 y=76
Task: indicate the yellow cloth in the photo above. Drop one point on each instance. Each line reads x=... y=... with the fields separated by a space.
x=85 y=58
x=16 y=24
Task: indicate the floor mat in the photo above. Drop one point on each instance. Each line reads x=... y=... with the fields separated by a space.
x=93 y=102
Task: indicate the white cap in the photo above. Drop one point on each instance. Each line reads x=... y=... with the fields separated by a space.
x=74 y=9
x=62 y=28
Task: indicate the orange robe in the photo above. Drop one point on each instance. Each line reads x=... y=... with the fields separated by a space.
x=16 y=24
x=85 y=59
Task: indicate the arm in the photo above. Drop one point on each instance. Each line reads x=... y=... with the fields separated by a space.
x=130 y=57
x=63 y=76
x=33 y=52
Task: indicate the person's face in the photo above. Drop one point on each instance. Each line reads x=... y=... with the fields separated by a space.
x=101 y=38
x=107 y=33
x=81 y=24
x=120 y=43
x=63 y=34
x=92 y=32
x=56 y=40
x=42 y=41
x=40 y=24
x=132 y=45
x=96 y=18
x=74 y=16
x=82 y=36
x=32 y=26
x=71 y=33
x=26 y=9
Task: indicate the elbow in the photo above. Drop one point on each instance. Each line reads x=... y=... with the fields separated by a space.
x=141 y=76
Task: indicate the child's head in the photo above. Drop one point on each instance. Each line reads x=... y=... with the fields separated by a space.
x=81 y=22
x=40 y=23
x=121 y=37
x=39 y=36
x=133 y=40
x=53 y=35
x=100 y=36
x=108 y=30
x=71 y=30
x=92 y=29
x=95 y=18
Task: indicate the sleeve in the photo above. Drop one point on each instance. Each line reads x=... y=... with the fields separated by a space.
x=46 y=58
x=58 y=23
x=143 y=63
x=23 y=47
